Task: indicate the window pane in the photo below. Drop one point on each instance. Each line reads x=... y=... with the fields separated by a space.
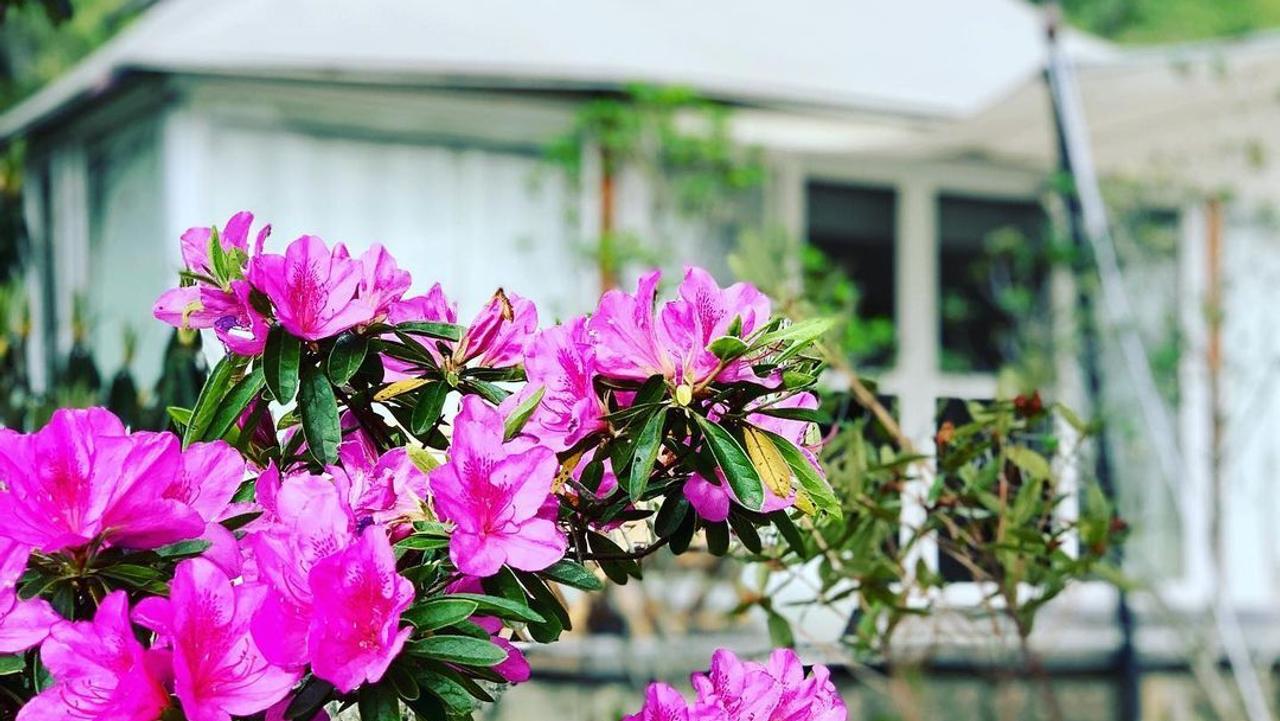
x=991 y=273
x=853 y=226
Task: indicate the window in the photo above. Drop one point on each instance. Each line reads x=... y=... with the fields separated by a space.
x=854 y=227
x=991 y=275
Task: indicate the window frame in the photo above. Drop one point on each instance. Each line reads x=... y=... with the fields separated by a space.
x=915 y=376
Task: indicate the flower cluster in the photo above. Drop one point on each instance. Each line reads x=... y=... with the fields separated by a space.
x=374 y=504
x=736 y=690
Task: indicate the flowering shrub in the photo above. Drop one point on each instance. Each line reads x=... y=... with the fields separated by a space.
x=734 y=690
x=369 y=502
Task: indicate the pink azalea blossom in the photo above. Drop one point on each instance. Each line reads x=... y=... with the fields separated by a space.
x=224 y=308
x=359 y=597
x=561 y=361
x=712 y=499
x=218 y=669
x=389 y=490
x=23 y=624
x=314 y=290
x=493 y=495
x=82 y=477
x=661 y=703
x=498 y=337
x=634 y=343
x=307 y=520
x=234 y=237
x=737 y=690
x=382 y=281
x=100 y=671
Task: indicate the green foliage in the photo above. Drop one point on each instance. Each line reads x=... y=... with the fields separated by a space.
x=1162 y=21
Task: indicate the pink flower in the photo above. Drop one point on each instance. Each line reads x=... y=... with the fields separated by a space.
x=498 y=336
x=218 y=670
x=634 y=344
x=101 y=672
x=561 y=360
x=493 y=496
x=382 y=282
x=234 y=237
x=359 y=597
x=308 y=521
x=778 y=691
x=211 y=473
x=82 y=477
x=390 y=490
x=206 y=304
x=314 y=290
x=661 y=703
x=23 y=624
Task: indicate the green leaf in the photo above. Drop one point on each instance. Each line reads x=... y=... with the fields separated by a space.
x=501 y=607
x=454 y=694
x=495 y=394
x=10 y=665
x=430 y=405
x=233 y=404
x=717 y=538
x=215 y=387
x=308 y=700
x=440 y=612
x=520 y=416
x=652 y=390
x=346 y=356
x=808 y=415
x=458 y=649
x=727 y=348
x=648 y=443
x=319 y=410
x=422 y=543
x=442 y=331
x=790 y=533
x=797 y=334
x=813 y=484
x=572 y=574
x=180 y=416
x=280 y=360
x=182 y=549
x=745 y=531
x=735 y=464
x=378 y=702
x=671 y=514
x=1031 y=463
x=780 y=630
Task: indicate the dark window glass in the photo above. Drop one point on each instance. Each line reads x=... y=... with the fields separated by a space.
x=853 y=226
x=991 y=272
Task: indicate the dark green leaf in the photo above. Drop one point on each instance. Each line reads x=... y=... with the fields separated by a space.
x=458 y=649
x=346 y=356
x=309 y=699
x=182 y=549
x=493 y=393
x=501 y=607
x=442 y=331
x=319 y=409
x=789 y=532
x=745 y=531
x=236 y=400
x=454 y=695
x=572 y=574
x=10 y=665
x=671 y=514
x=440 y=612
x=717 y=538
x=733 y=461
x=378 y=702
x=215 y=387
x=648 y=443
x=430 y=405
x=280 y=360
x=654 y=389
x=520 y=416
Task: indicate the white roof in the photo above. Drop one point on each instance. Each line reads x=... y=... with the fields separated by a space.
x=1204 y=116
x=928 y=58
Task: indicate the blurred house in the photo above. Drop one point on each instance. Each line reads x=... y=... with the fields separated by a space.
x=898 y=137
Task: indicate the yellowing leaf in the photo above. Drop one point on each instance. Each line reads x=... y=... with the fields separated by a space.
x=392 y=390
x=769 y=463
x=422 y=458
x=804 y=503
